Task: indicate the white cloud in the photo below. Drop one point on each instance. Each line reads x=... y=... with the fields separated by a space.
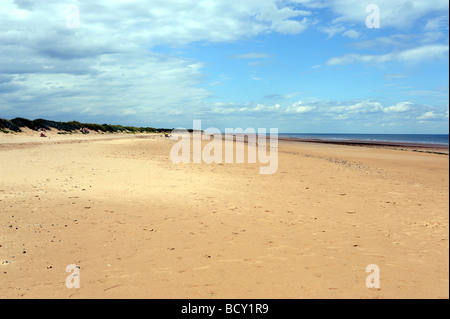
x=415 y=55
x=329 y=114
x=104 y=68
x=438 y=23
x=398 y=14
x=352 y=34
x=342 y=117
x=399 y=108
x=335 y=109
x=431 y=115
x=332 y=30
x=281 y=18
x=300 y=108
x=358 y=107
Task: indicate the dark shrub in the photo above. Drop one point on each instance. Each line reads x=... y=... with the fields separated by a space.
x=6 y=124
x=21 y=122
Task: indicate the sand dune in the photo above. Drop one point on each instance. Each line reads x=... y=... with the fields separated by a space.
x=139 y=226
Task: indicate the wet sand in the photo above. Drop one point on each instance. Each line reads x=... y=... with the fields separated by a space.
x=416 y=147
x=139 y=226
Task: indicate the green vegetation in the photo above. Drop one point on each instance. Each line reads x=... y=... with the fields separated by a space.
x=9 y=125
x=135 y=130
x=16 y=124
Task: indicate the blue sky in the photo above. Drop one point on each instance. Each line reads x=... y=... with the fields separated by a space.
x=299 y=66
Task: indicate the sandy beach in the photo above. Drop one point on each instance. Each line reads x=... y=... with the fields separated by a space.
x=140 y=226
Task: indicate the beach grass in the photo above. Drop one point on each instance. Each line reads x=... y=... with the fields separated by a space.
x=16 y=125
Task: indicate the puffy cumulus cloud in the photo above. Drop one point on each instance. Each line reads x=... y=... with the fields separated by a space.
x=326 y=114
x=398 y=14
x=261 y=109
x=141 y=88
x=300 y=108
x=106 y=68
x=422 y=28
x=280 y=19
x=399 y=108
x=111 y=25
x=357 y=107
x=323 y=109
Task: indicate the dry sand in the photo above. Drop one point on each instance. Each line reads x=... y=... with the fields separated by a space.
x=140 y=226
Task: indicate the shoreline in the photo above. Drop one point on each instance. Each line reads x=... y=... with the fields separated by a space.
x=442 y=149
x=435 y=148
x=30 y=137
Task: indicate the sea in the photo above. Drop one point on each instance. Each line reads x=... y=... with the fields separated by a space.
x=429 y=139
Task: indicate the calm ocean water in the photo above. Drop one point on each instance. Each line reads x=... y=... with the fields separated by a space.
x=434 y=139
